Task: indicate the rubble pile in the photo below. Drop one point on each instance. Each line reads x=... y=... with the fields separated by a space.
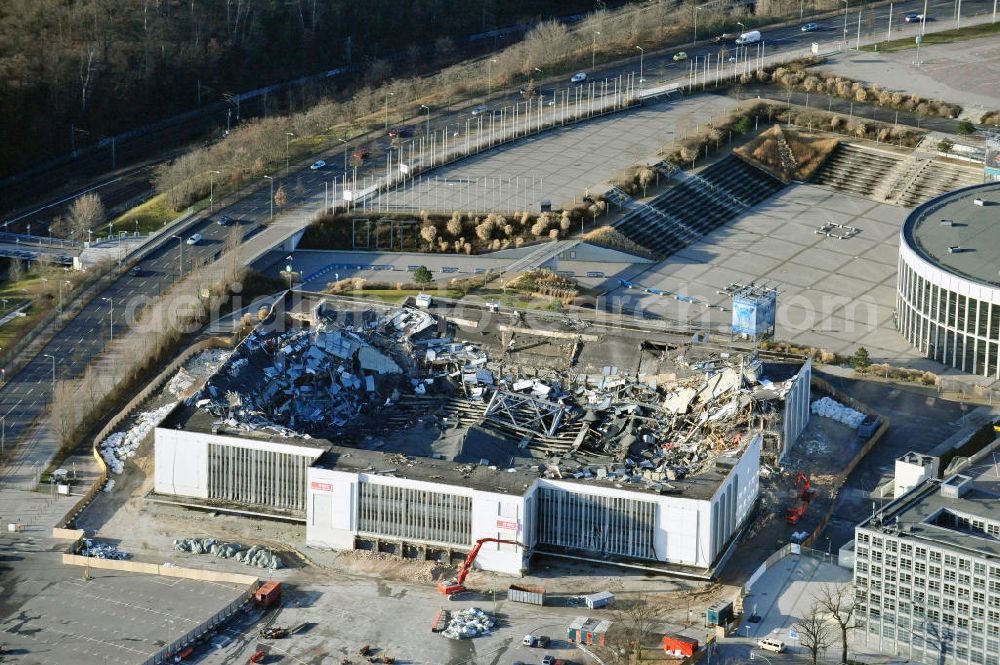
x=98 y=550
x=831 y=408
x=466 y=624
x=120 y=446
x=198 y=367
x=258 y=555
x=316 y=381
x=367 y=373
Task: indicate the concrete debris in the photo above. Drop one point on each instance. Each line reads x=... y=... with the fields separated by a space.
x=200 y=366
x=120 y=446
x=258 y=555
x=98 y=550
x=360 y=376
x=470 y=623
x=831 y=408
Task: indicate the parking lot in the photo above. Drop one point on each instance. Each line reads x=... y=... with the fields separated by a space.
x=99 y=616
x=560 y=165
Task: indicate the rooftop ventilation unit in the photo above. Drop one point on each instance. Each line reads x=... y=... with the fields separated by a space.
x=947 y=222
x=956 y=486
x=954 y=249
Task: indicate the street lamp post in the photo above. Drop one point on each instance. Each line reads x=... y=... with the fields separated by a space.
x=642 y=53
x=288 y=269
x=53 y=359
x=288 y=135
x=695 y=40
x=845 y=22
x=211 y=191
x=61 y=282
x=428 y=109
x=593 y=51
x=180 y=255
x=387 y=96
x=111 y=302
x=489 y=78
x=271 y=180
x=344 y=141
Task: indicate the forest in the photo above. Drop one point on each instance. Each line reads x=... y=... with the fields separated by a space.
x=75 y=71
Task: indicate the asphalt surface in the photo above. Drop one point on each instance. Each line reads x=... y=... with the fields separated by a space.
x=25 y=396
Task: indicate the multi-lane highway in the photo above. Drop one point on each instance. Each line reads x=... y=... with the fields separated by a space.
x=25 y=396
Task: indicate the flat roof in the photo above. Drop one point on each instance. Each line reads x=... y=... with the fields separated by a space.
x=914 y=515
x=515 y=479
x=975 y=230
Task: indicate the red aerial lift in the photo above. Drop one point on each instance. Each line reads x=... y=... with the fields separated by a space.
x=807 y=493
x=449 y=587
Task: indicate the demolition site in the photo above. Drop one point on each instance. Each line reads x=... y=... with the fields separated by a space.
x=425 y=433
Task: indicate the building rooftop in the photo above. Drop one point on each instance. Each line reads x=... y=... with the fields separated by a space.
x=971 y=231
x=569 y=399
x=939 y=511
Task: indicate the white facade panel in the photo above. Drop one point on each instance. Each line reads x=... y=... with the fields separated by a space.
x=181 y=460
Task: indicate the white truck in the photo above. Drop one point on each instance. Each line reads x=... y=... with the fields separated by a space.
x=751 y=37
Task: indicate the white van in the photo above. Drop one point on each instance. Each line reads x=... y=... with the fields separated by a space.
x=751 y=37
x=771 y=644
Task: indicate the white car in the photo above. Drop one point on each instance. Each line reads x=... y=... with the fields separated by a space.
x=318 y=165
x=579 y=77
x=195 y=239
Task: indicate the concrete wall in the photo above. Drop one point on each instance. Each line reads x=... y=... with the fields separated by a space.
x=181 y=463
x=182 y=460
x=734 y=500
x=332 y=516
x=686 y=531
x=797 y=403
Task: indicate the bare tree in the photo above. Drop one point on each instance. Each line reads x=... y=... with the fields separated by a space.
x=636 y=619
x=837 y=600
x=15 y=272
x=814 y=631
x=87 y=212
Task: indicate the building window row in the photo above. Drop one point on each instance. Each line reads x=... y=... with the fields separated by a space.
x=949 y=327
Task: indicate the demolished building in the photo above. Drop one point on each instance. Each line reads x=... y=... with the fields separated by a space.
x=419 y=432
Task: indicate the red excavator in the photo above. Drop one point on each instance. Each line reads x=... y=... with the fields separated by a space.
x=449 y=587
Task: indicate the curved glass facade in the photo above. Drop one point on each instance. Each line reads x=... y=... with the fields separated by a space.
x=952 y=328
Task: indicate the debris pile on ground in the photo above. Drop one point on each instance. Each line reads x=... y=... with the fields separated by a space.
x=831 y=408
x=98 y=550
x=120 y=446
x=201 y=365
x=466 y=624
x=257 y=555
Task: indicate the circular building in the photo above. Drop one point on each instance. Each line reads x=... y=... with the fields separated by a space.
x=948 y=289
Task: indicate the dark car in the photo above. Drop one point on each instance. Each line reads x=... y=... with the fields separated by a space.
x=361 y=153
x=399 y=132
x=224 y=220
x=725 y=38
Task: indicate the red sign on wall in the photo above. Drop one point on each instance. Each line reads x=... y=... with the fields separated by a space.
x=321 y=487
x=507 y=525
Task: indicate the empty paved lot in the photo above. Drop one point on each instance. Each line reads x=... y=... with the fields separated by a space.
x=832 y=294
x=112 y=618
x=561 y=165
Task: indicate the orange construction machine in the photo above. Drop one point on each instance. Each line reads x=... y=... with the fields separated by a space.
x=449 y=587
